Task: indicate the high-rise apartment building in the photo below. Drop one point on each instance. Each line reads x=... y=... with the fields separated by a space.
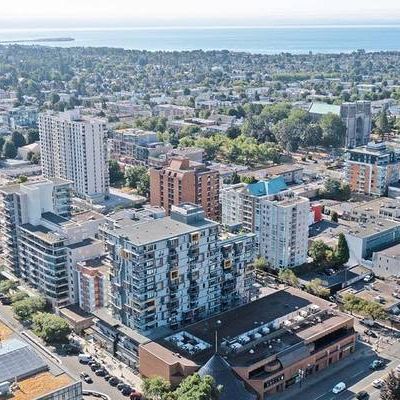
x=277 y=217
x=49 y=250
x=74 y=147
x=24 y=203
x=185 y=181
x=176 y=270
x=372 y=168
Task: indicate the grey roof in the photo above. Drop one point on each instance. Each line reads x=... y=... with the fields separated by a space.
x=157 y=230
x=18 y=360
x=232 y=386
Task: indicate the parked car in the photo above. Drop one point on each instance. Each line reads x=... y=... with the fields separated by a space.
x=363 y=395
x=86 y=377
x=338 y=388
x=84 y=358
x=397 y=369
x=377 y=383
x=101 y=372
x=126 y=390
x=113 y=381
x=121 y=385
x=95 y=367
x=376 y=364
x=368 y=278
x=107 y=377
x=368 y=322
x=368 y=332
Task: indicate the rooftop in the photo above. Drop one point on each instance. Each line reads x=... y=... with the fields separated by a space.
x=263 y=173
x=42 y=233
x=244 y=329
x=19 y=361
x=393 y=252
x=324 y=108
x=157 y=230
x=266 y=188
x=370 y=229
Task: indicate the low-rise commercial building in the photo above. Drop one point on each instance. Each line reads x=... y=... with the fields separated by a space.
x=365 y=239
x=271 y=343
x=386 y=263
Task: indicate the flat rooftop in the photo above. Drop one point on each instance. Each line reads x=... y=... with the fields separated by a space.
x=43 y=233
x=235 y=323
x=264 y=173
x=373 y=228
x=393 y=252
x=158 y=230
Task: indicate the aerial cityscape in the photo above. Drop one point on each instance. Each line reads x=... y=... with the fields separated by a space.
x=200 y=201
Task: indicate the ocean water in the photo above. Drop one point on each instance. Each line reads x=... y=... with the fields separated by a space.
x=295 y=40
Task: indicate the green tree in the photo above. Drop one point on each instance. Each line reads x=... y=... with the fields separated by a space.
x=260 y=263
x=286 y=275
x=9 y=149
x=342 y=253
x=335 y=190
x=318 y=251
x=6 y=286
x=382 y=122
x=155 y=388
x=18 y=296
x=33 y=136
x=195 y=387
x=391 y=387
x=115 y=173
x=316 y=287
x=335 y=217
x=26 y=308
x=51 y=328
x=333 y=130
x=22 y=179
x=18 y=139
x=143 y=185
x=312 y=135
x=133 y=175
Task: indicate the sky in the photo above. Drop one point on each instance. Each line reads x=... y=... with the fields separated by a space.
x=60 y=13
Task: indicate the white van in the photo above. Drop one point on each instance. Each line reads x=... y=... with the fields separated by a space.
x=84 y=358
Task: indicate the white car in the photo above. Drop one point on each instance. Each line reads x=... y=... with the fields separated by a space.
x=397 y=369
x=377 y=383
x=339 y=388
x=368 y=278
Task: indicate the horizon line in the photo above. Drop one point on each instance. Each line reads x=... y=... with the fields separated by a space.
x=200 y=27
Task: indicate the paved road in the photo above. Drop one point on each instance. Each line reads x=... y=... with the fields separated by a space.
x=354 y=371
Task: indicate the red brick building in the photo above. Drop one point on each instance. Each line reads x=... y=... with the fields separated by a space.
x=185 y=181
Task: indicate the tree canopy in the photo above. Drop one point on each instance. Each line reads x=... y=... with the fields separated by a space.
x=194 y=387
x=51 y=328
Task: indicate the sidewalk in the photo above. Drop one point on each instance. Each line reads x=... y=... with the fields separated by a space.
x=114 y=366
x=295 y=391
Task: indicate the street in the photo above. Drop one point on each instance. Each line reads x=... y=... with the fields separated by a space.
x=68 y=363
x=353 y=371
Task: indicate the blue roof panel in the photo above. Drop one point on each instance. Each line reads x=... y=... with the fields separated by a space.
x=266 y=188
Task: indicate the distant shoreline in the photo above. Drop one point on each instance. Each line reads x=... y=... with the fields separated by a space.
x=39 y=40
